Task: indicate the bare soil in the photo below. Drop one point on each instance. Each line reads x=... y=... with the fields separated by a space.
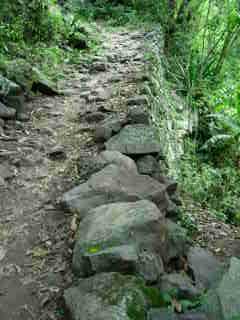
x=36 y=235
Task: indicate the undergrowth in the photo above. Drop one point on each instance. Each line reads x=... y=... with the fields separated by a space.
x=44 y=35
x=195 y=103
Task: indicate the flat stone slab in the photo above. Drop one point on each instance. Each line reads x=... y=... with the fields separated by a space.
x=134 y=139
x=114 y=183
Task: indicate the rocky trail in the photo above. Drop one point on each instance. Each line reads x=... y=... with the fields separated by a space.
x=82 y=196
x=40 y=159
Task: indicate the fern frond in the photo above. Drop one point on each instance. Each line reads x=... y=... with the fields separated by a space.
x=215 y=140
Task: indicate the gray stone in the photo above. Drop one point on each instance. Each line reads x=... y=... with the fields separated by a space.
x=103 y=133
x=171 y=186
x=95 y=116
x=15 y=102
x=98 y=66
x=147 y=165
x=115 y=78
x=138 y=114
x=107 y=296
x=134 y=140
x=57 y=153
x=161 y=314
x=102 y=94
x=113 y=184
x=6 y=112
x=211 y=306
x=2 y=182
x=88 y=166
x=108 y=127
x=2 y=122
x=181 y=283
x=28 y=78
x=172 y=210
x=23 y=117
x=177 y=242
x=193 y=316
x=42 y=84
x=222 y=302
x=121 y=237
x=206 y=269
x=137 y=100
x=114 y=157
x=229 y=291
x=6 y=171
x=149 y=266
x=9 y=88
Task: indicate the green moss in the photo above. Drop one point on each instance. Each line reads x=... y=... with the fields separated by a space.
x=155 y=298
x=136 y=307
x=94 y=249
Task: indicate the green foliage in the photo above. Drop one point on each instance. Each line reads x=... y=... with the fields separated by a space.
x=225 y=134
x=114 y=14
x=214 y=188
x=202 y=58
x=189 y=223
x=38 y=33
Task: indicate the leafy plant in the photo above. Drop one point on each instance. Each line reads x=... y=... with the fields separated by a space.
x=227 y=133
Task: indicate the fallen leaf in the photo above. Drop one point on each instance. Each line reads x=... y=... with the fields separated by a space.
x=74 y=225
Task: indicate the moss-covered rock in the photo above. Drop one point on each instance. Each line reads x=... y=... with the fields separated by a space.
x=113 y=296
x=11 y=94
x=29 y=78
x=123 y=237
x=107 y=296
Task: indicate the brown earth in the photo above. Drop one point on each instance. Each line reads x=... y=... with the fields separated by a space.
x=39 y=160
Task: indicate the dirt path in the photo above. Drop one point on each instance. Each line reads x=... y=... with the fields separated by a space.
x=40 y=161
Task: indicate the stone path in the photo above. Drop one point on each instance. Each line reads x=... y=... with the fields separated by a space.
x=65 y=204
x=41 y=159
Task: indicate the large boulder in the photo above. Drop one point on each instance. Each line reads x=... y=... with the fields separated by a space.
x=161 y=314
x=134 y=140
x=123 y=237
x=181 y=284
x=206 y=269
x=28 y=77
x=229 y=291
x=114 y=157
x=106 y=297
x=109 y=296
x=113 y=184
x=222 y=302
x=88 y=166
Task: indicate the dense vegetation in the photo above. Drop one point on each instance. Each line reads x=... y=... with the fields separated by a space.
x=42 y=34
x=200 y=65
